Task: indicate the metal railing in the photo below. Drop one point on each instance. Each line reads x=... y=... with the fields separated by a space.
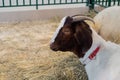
x=36 y=3
x=107 y=3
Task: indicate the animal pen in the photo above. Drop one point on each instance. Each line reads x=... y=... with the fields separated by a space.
x=36 y=3
x=24 y=50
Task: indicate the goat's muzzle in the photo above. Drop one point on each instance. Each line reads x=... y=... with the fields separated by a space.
x=53 y=47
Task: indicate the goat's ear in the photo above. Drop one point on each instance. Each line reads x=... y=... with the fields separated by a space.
x=82 y=33
x=79 y=35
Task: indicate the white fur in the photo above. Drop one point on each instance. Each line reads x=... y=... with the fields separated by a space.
x=106 y=65
x=58 y=29
x=108 y=22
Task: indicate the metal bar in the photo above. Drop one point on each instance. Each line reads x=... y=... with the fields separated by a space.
x=118 y=2
x=36 y=4
x=114 y=1
x=102 y=2
x=23 y=2
x=3 y=3
x=48 y=1
x=88 y=3
x=10 y=3
x=42 y=2
x=17 y=2
x=82 y=0
x=92 y=5
x=15 y=6
x=96 y=2
x=99 y=1
x=109 y=2
x=30 y=2
x=60 y=1
x=66 y=1
x=106 y=3
x=71 y=1
x=54 y=1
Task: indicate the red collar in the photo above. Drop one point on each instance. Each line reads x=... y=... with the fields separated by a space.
x=91 y=56
x=94 y=53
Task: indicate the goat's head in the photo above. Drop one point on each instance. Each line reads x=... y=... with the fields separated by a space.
x=73 y=34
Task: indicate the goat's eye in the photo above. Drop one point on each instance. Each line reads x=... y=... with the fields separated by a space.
x=66 y=31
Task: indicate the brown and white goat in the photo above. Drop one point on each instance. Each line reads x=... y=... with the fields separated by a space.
x=101 y=58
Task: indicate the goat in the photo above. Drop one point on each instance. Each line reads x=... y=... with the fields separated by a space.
x=108 y=23
x=100 y=57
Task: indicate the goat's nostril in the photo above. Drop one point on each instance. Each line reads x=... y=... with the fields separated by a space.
x=53 y=47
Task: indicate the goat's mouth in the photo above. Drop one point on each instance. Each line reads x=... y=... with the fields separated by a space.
x=58 y=49
x=53 y=47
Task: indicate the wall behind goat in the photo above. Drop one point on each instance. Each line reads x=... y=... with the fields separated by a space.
x=45 y=14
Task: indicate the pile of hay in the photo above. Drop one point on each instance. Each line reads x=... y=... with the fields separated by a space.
x=25 y=54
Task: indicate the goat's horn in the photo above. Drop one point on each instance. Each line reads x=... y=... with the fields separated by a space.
x=81 y=18
x=80 y=15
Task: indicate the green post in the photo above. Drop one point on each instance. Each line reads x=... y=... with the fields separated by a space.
x=30 y=2
x=3 y=2
x=76 y=0
x=60 y=1
x=87 y=2
x=66 y=1
x=109 y=3
x=48 y=2
x=103 y=2
x=42 y=2
x=10 y=3
x=23 y=2
x=118 y=2
x=54 y=1
x=16 y=2
x=90 y=3
x=36 y=4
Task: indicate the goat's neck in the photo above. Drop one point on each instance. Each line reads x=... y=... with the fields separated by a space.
x=97 y=41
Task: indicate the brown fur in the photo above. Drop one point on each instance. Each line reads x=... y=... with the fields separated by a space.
x=74 y=36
